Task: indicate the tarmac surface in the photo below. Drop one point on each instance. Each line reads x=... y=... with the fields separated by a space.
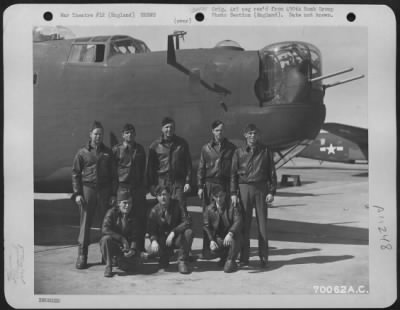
x=318 y=236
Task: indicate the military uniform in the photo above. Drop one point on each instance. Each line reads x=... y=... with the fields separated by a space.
x=253 y=176
x=94 y=178
x=131 y=163
x=116 y=227
x=162 y=221
x=217 y=223
x=214 y=169
x=170 y=164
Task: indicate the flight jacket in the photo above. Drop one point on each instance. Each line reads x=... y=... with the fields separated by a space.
x=215 y=165
x=253 y=167
x=231 y=223
x=162 y=220
x=170 y=160
x=131 y=164
x=112 y=226
x=93 y=168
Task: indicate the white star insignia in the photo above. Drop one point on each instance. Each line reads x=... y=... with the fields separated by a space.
x=331 y=149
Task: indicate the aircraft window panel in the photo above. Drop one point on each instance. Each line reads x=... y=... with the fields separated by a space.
x=123 y=49
x=131 y=49
x=100 y=51
x=87 y=53
x=128 y=47
x=75 y=53
x=90 y=54
x=315 y=63
x=143 y=48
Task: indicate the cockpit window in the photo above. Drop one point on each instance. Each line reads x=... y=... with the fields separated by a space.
x=127 y=47
x=87 y=53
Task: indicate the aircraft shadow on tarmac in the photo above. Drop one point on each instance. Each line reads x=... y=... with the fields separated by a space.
x=57 y=223
x=291 y=185
x=289 y=194
x=318 y=259
x=305 y=167
x=362 y=174
x=296 y=194
x=288 y=205
x=212 y=265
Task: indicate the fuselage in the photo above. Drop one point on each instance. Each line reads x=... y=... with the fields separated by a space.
x=142 y=88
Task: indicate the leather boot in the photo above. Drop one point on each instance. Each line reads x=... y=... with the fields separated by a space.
x=81 y=262
x=108 y=271
x=230 y=266
x=183 y=267
x=221 y=262
x=263 y=262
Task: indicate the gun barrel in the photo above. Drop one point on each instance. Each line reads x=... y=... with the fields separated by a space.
x=330 y=75
x=344 y=81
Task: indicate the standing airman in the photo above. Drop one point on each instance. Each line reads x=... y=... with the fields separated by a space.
x=253 y=183
x=94 y=186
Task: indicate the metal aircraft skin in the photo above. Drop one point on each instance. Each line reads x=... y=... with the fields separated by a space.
x=339 y=143
x=117 y=79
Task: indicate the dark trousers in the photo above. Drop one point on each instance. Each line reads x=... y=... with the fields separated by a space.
x=207 y=199
x=96 y=201
x=253 y=196
x=110 y=247
x=227 y=253
x=182 y=242
x=139 y=212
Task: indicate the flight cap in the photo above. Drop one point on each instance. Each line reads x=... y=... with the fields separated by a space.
x=123 y=194
x=167 y=120
x=96 y=124
x=216 y=123
x=251 y=127
x=128 y=127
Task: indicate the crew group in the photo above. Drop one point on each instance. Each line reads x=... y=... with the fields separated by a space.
x=231 y=183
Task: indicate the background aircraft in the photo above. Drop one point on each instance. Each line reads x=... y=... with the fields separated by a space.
x=117 y=79
x=339 y=143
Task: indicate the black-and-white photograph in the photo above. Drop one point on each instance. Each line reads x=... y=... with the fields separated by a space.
x=201 y=160
x=201 y=122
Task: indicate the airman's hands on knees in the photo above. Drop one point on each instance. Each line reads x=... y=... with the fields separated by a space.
x=235 y=200
x=228 y=239
x=186 y=188
x=170 y=238
x=125 y=244
x=269 y=198
x=200 y=193
x=154 y=246
x=129 y=253
x=213 y=245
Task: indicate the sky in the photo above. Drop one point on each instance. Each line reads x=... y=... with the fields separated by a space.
x=341 y=47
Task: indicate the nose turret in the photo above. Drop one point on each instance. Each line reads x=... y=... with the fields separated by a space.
x=286 y=71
